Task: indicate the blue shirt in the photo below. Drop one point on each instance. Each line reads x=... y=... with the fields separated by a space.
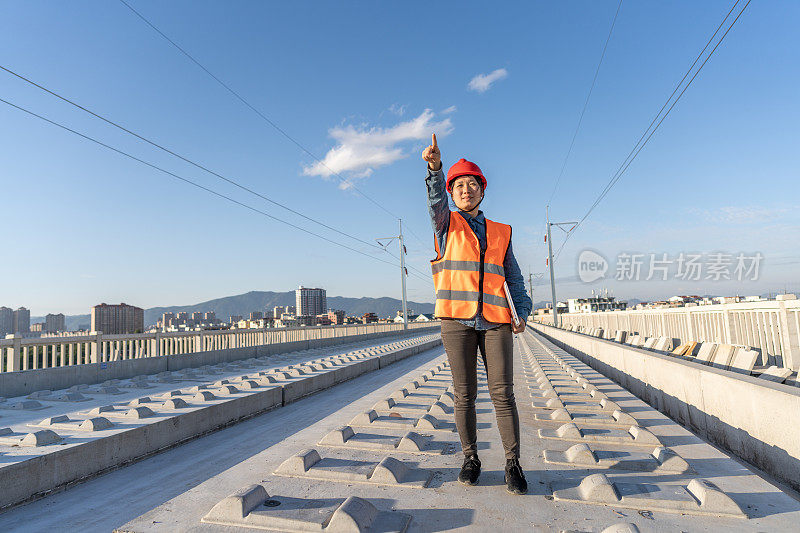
x=440 y=220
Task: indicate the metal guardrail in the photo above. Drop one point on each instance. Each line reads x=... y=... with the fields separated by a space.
x=772 y=327
x=17 y=353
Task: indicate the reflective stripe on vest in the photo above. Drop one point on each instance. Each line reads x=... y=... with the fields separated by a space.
x=457 y=273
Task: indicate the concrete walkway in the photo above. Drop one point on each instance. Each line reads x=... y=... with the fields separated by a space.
x=594 y=455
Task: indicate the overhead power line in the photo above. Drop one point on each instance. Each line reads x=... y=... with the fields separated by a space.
x=585 y=104
x=264 y=117
x=183 y=158
x=191 y=162
x=661 y=115
x=191 y=182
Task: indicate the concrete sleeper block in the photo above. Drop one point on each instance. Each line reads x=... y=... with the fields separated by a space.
x=623 y=418
x=402 y=393
x=175 y=403
x=438 y=408
x=670 y=460
x=97 y=423
x=357 y=514
x=597 y=487
x=338 y=436
x=140 y=401
x=570 y=431
x=390 y=471
x=299 y=463
x=384 y=404
x=427 y=421
x=581 y=454
x=42 y=437
x=710 y=497
x=204 y=396
x=365 y=418
x=413 y=442
x=238 y=505
x=138 y=413
x=643 y=436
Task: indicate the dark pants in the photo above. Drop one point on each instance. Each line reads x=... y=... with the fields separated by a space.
x=461 y=344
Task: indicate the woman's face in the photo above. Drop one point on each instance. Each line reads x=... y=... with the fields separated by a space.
x=467 y=193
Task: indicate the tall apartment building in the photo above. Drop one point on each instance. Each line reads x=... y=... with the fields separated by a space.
x=22 y=320
x=54 y=323
x=256 y=315
x=197 y=317
x=310 y=302
x=167 y=320
x=6 y=321
x=210 y=317
x=115 y=319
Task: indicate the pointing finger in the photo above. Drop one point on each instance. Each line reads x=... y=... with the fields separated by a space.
x=433 y=135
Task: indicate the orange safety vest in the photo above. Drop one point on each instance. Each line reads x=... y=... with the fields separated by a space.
x=464 y=276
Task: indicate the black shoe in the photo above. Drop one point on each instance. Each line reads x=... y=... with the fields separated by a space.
x=515 y=478
x=470 y=470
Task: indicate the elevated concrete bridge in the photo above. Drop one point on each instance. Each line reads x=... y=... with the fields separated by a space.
x=373 y=448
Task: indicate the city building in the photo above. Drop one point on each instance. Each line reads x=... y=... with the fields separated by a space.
x=210 y=317
x=548 y=309
x=323 y=320
x=167 y=320
x=197 y=318
x=683 y=300
x=278 y=310
x=286 y=321
x=6 y=321
x=336 y=316
x=310 y=302
x=369 y=318
x=256 y=315
x=114 y=319
x=235 y=319
x=22 y=320
x=37 y=327
x=54 y=323
x=595 y=304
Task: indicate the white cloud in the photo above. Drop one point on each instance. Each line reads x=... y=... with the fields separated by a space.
x=448 y=110
x=483 y=82
x=361 y=150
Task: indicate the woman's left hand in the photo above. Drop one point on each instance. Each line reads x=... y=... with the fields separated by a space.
x=518 y=328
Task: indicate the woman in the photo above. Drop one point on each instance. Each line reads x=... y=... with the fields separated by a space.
x=473 y=260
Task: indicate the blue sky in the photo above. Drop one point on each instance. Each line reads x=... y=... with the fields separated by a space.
x=360 y=85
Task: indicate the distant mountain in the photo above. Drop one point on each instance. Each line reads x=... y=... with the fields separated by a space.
x=243 y=304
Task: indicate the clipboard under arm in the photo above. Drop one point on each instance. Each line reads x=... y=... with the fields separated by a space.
x=514 y=315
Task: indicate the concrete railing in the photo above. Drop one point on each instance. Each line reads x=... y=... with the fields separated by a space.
x=17 y=353
x=771 y=327
x=755 y=419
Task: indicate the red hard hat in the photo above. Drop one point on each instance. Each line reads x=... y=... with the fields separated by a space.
x=464 y=168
